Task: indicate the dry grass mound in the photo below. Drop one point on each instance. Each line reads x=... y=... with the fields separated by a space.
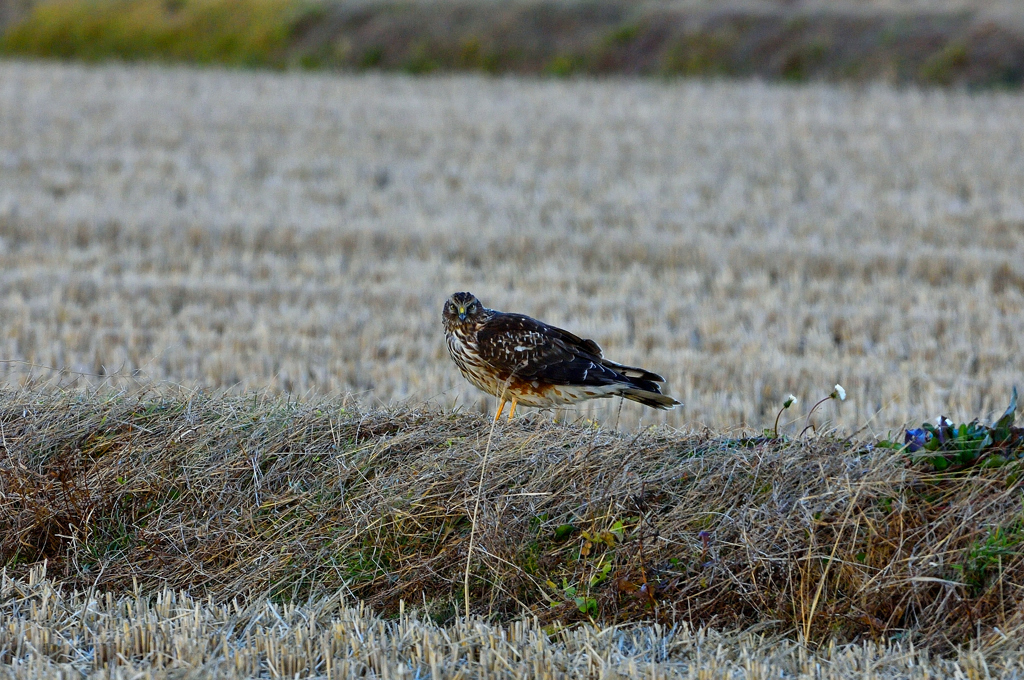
x=239 y=497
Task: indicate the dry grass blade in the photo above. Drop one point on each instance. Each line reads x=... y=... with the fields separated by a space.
x=476 y=510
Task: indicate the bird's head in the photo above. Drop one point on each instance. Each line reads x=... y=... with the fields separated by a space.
x=462 y=308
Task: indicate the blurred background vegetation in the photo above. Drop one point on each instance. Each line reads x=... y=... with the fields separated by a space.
x=975 y=43
x=246 y=33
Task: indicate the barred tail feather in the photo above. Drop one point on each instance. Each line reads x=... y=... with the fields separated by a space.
x=633 y=372
x=649 y=398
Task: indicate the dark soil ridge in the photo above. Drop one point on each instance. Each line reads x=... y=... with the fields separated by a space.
x=974 y=48
x=602 y=38
x=235 y=497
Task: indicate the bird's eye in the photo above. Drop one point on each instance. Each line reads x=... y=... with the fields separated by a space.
x=471 y=309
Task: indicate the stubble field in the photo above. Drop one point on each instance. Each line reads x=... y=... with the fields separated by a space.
x=299 y=233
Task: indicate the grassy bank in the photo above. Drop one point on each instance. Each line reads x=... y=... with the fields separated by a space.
x=842 y=43
x=821 y=538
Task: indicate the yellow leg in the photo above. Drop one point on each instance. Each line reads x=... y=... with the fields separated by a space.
x=513 y=411
x=501 y=407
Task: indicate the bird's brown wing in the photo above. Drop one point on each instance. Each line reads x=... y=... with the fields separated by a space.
x=528 y=349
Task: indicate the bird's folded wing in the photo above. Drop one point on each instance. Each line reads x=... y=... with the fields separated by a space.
x=527 y=349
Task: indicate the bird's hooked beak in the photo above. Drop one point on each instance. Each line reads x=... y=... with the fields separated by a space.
x=462 y=313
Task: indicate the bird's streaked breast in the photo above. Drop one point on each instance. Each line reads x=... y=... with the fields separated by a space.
x=465 y=352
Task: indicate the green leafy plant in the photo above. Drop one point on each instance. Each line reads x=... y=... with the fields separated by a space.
x=985 y=559
x=586 y=605
x=585 y=602
x=950 y=446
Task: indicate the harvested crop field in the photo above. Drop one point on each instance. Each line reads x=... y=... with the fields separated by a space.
x=298 y=233
x=170 y=634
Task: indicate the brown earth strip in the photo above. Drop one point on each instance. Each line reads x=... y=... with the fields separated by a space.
x=935 y=45
x=611 y=38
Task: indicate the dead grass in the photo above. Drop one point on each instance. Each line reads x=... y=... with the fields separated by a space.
x=257 y=497
x=300 y=233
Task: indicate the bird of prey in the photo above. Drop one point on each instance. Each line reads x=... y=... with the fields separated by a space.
x=528 y=362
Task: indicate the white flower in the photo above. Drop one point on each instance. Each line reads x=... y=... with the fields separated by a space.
x=840 y=393
x=790 y=400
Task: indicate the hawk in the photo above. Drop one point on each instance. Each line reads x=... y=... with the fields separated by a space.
x=528 y=362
